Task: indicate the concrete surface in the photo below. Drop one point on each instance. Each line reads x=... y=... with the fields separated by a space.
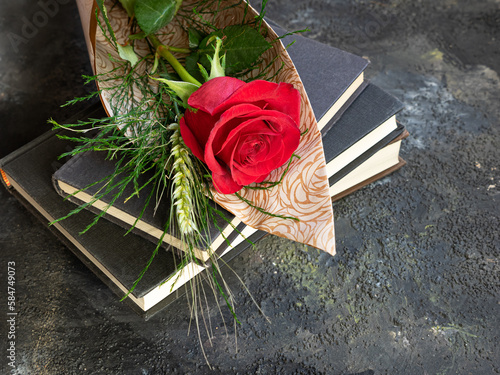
x=415 y=286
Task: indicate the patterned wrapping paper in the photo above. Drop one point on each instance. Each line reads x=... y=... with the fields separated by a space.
x=304 y=192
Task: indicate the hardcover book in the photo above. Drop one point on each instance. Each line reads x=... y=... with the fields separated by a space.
x=369 y=119
x=72 y=180
x=369 y=167
x=332 y=79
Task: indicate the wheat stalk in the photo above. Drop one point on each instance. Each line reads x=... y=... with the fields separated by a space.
x=181 y=169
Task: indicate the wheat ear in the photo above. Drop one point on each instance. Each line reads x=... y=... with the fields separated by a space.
x=182 y=195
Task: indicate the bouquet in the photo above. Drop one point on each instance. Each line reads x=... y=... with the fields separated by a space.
x=204 y=94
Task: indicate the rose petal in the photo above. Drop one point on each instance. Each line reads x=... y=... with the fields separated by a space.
x=225 y=184
x=248 y=128
x=191 y=141
x=232 y=122
x=219 y=134
x=201 y=124
x=281 y=132
x=252 y=148
x=282 y=97
x=247 y=176
x=281 y=126
x=231 y=119
x=241 y=173
x=213 y=93
x=225 y=153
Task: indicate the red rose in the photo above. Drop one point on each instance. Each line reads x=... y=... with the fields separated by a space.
x=242 y=131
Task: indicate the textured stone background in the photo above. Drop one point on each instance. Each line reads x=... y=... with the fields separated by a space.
x=415 y=286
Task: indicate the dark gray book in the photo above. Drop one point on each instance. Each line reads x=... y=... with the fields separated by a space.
x=369 y=119
x=333 y=78
x=378 y=162
x=73 y=179
x=115 y=258
x=399 y=134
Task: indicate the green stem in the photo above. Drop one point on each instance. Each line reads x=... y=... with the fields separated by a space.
x=178 y=49
x=164 y=51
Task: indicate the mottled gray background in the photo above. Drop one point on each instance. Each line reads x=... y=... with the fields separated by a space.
x=414 y=288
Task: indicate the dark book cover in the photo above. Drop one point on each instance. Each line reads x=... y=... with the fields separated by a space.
x=328 y=74
x=86 y=168
x=359 y=129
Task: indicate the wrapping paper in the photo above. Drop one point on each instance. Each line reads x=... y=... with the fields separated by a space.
x=304 y=192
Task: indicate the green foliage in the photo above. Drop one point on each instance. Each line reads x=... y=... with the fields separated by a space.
x=193 y=67
x=129 y=6
x=195 y=37
x=102 y=8
x=182 y=89
x=243 y=45
x=217 y=64
x=152 y=15
x=127 y=53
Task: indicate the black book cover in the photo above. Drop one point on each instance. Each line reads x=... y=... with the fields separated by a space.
x=359 y=129
x=91 y=166
x=327 y=74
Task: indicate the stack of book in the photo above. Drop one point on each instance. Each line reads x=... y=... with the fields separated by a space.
x=361 y=139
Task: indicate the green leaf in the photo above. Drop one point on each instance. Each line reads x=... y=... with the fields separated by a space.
x=155 y=64
x=195 y=37
x=170 y=76
x=129 y=6
x=203 y=72
x=191 y=64
x=242 y=44
x=127 y=53
x=181 y=88
x=152 y=15
x=137 y=36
